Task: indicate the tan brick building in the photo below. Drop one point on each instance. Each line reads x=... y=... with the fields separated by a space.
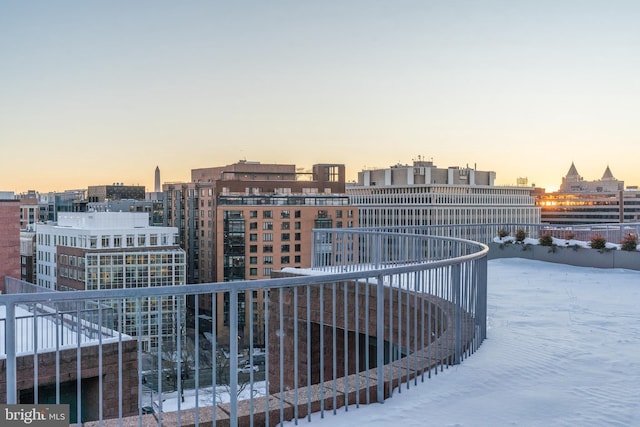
x=242 y=221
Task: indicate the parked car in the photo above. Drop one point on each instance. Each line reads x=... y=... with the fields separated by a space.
x=247 y=368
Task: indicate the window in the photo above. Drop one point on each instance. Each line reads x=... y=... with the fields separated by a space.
x=297 y=214
x=93 y=242
x=285 y=225
x=338 y=213
x=297 y=225
x=297 y=247
x=117 y=241
x=284 y=248
x=267 y=259
x=253 y=226
x=129 y=240
x=253 y=272
x=338 y=224
x=253 y=260
x=267 y=214
x=153 y=240
x=267 y=237
x=253 y=237
x=266 y=271
x=253 y=248
x=284 y=259
x=253 y=214
x=267 y=248
x=105 y=241
x=267 y=225
x=298 y=236
x=285 y=214
x=285 y=237
x=296 y=259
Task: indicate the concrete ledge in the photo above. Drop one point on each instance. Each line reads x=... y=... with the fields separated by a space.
x=578 y=256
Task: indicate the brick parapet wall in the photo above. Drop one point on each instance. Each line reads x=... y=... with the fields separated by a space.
x=89 y=370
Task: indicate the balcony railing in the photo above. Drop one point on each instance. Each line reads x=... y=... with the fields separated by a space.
x=378 y=312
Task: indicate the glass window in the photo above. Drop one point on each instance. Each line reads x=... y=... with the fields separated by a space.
x=285 y=237
x=284 y=248
x=267 y=237
x=267 y=214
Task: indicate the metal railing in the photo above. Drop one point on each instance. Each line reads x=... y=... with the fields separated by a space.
x=485 y=233
x=377 y=312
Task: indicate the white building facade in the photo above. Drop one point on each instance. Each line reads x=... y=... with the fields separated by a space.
x=422 y=194
x=111 y=250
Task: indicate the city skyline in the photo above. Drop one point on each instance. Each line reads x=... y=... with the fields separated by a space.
x=98 y=93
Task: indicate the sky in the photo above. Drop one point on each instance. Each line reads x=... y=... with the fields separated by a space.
x=561 y=350
x=93 y=93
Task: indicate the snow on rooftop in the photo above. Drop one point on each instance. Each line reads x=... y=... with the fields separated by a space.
x=48 y=326
x=563 y=349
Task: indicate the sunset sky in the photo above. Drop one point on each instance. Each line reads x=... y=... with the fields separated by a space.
x=100 y=92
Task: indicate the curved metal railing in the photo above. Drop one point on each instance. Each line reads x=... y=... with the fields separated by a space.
x=376 y=312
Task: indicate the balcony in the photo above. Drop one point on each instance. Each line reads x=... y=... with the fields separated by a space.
x=376 y=310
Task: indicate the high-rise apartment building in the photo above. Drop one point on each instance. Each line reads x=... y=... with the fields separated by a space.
x=109 y=250
x=423 y=194
x=243 y=220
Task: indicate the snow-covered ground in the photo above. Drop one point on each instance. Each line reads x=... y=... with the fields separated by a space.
x=563 y=349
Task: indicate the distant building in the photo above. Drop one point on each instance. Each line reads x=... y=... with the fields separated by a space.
x=53 y=203
x=154 y=208
x=590 y=202
x=29 y=213
x=107 y=250
x=28 y=255
x=9 y=240
x=117 y=191
x=423 y=194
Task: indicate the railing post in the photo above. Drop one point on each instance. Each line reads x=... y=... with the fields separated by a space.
x=233 y=357
x=10 y=349
x=380 y=338
x=457 y=302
